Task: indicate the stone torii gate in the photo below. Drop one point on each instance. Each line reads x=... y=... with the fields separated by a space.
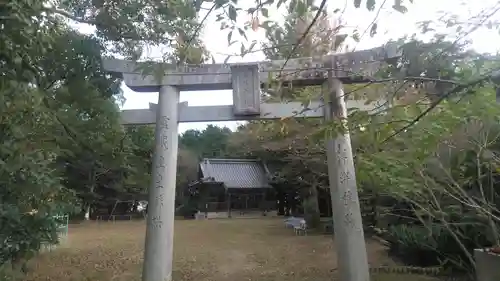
x=245 y=80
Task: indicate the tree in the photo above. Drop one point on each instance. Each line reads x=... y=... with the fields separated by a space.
x=187 y=169
x=293 y=140
x=140 y=143
x=30 y=188
x=132 y=26
x=85 y=98
x=31 y=191
x=209 y=143
x=59 y=72
x=302 y=160
x=62 y=143
x=444 y=168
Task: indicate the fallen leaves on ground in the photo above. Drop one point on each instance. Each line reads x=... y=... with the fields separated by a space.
x=215 y=250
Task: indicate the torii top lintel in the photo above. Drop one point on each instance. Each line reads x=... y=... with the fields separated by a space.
x=353 y=67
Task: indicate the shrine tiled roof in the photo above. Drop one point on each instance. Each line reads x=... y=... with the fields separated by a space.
x=236 y=173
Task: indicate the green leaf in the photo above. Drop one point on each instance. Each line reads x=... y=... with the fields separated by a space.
x=301 y=9
x=400 y=8
x=357 y=3
x=373 y=29
x=220 y=3
x=229 y=35
x=242 y=33
x=266 y=25
x=242 y=50
x=232 y=13
x=339 y=39
x=355 y=36
x=265 y=12
x=197 y=4
x=370 y=5
x=252 y=46
x=277 y=34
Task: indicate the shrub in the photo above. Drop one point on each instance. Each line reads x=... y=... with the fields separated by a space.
x=419 y=245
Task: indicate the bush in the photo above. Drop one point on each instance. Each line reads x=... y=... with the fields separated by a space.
x=422 y=246
x=22 y=235
x=187 y=210
x=413 y=245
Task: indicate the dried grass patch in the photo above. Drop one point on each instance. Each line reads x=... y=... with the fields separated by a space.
x=218 y=250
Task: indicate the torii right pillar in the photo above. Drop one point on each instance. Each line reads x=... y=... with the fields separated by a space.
x=350 y=243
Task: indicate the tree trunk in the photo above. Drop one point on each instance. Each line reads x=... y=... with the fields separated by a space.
x=281 y=206
x=92 y=179
x=311 y=207
x=87 y=212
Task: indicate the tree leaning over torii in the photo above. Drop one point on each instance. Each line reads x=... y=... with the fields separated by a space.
x=246 y=81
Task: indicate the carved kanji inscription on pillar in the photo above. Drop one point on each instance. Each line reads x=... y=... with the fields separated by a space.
x=344 y=177
x=341 y=155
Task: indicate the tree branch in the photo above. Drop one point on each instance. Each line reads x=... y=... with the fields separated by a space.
x=313 y=22
x=69 y=16
x=371 y=24
x=433 y=105
x=198 y=28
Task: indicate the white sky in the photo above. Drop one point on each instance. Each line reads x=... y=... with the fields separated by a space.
x=391 y=25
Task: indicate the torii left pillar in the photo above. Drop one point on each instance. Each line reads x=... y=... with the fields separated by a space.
x=161 y=205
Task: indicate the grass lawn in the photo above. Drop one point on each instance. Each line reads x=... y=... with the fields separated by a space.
x=218 y=250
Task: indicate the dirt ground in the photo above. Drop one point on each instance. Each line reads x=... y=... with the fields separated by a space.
x=218 y=250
